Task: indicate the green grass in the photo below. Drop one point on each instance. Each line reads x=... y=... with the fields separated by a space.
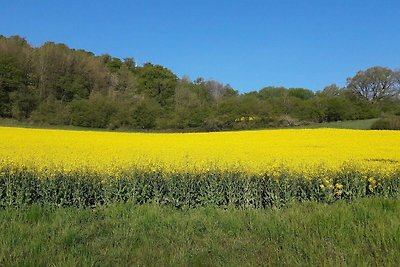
x=355 y=124
x=365 y=232
x=23 y=124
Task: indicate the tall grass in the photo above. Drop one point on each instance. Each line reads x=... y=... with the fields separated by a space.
x=365 y=233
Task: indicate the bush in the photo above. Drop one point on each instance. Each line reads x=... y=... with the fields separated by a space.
x=52 y=112
x=96 y=111
x=390 y=123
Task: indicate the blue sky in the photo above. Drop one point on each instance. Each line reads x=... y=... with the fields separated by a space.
x=248 y=44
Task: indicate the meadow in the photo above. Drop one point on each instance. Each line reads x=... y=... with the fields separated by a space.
x=365 y=233
x=255 y=169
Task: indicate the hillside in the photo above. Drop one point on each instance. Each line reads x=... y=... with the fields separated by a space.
x=55 y=85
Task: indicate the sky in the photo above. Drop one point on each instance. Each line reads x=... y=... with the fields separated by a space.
x=247 y=44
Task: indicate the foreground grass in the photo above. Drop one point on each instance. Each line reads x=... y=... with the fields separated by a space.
x=365 y=232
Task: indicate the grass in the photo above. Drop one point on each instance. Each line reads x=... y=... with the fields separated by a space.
x=365 y=232
x=24 y=124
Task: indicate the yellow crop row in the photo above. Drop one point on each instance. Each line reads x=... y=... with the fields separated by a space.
x=306 y=151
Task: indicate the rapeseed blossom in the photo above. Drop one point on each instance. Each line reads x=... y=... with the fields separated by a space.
x=309 y=152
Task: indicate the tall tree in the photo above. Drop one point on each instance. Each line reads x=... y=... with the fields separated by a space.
x=374 y=84
x=11 y=79
x=157 y=82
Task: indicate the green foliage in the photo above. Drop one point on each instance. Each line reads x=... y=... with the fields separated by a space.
x=336 y=109
x=20 y=187
x=114 y=64
x=303 y=234
x=52 y=112
x=54 y=84
x=157 y=82
x=389 y=123
x=146 y=112
x=11 y=76
x=93 y=112
x=11 y=79
x=23 y=102
x=301 y=93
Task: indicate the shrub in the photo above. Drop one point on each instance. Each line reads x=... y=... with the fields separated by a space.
x=389 y=123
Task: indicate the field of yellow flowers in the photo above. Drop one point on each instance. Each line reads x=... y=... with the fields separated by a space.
x=320 y=156
x=299 y=150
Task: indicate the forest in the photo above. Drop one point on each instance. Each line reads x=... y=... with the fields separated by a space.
x=56 y=85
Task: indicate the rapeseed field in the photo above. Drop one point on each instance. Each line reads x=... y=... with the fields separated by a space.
x=257 y=152
x=247 y=168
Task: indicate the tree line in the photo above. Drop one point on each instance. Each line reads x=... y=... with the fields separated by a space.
x=53 y=84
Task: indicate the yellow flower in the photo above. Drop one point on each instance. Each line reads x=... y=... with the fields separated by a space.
x=339 y=186
x=339 y=192
x=311 y=153
x=372 y=181
x=371 y=188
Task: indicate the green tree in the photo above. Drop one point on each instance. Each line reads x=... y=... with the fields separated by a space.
x=157 y=82
x=11 y=79
x=330 y=91
x=301 y=93
x=146 y=113
x=23 y=102
x=96 y=111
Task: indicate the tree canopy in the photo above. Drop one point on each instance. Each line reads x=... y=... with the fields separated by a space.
x=375 y=84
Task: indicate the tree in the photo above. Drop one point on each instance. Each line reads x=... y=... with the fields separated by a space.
x=23 y=102
x=114 y=64
x=11 y=78
x=130 y=63
x=146 y=113
x=217 y=89
x=157 y=82
x=93 y=112
x=397 y=78
x=374 y=84
x=301 y=93
x=229 y=91
x=54 y=84
x=330 y=91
